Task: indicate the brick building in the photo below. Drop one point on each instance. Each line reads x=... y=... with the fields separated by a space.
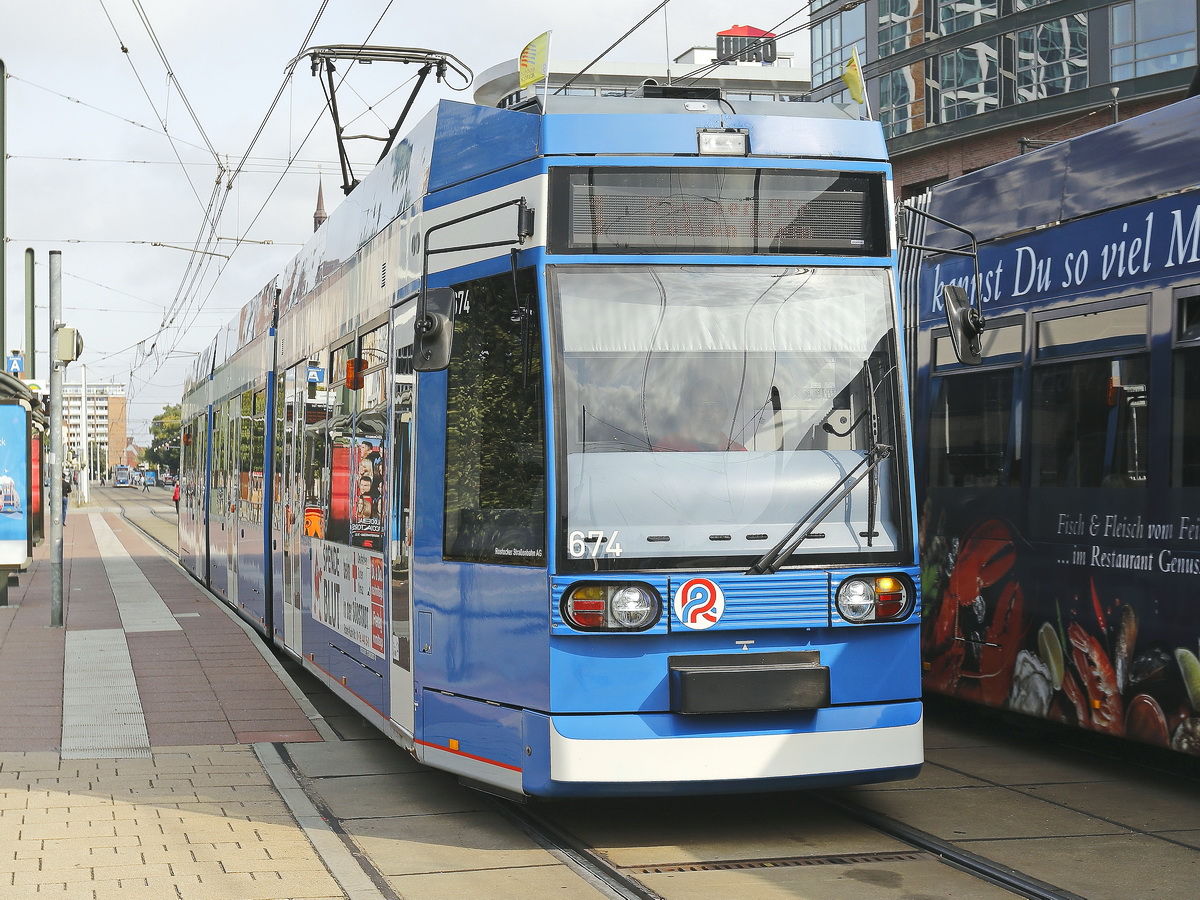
x=107 y=425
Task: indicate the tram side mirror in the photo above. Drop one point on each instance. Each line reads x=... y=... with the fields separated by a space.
x=966 y=325
x=434 y=330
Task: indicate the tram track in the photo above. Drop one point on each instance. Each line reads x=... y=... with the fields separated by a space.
x=640 y=851
x=145 y=506
x=1019 y=883
x=623 y=882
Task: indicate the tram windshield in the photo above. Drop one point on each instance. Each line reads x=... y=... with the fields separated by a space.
x=707 y=409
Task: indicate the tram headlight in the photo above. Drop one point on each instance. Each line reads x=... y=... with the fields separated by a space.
x=611 y=607
x=879 y=598
x=633 y=608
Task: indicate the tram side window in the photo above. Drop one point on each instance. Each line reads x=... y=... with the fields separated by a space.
x=1089 y=423
x=282 y=404
x=368 y=462
x=340 y=436
x=316 y=464
x=245 y=454
x=495 y=507
x=969 y=430
x=220 y=501
x=1185 y=435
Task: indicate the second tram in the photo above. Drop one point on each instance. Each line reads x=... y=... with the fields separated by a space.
x=571 y=451
x=1061 y=478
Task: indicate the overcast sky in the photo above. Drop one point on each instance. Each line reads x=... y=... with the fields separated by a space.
x=106 y=157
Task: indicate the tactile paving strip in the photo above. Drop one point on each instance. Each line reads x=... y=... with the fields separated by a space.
x=102 y=712
x=139 y=604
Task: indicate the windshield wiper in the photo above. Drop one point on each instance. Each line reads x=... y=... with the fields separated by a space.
x=774 y=558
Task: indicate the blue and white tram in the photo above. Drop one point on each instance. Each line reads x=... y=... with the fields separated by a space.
x=570 y=451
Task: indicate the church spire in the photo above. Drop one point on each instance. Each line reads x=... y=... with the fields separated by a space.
x=320 y=215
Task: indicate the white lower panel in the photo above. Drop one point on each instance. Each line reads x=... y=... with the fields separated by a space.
x=733 y=758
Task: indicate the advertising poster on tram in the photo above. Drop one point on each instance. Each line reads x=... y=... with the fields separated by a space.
x=348 y=593
x=367 y=494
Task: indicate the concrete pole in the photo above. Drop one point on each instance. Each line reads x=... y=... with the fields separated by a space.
x=30 y=328
x=56 y=446
x=84 y=487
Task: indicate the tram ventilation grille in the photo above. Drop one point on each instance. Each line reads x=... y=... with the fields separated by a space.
x=842 y=859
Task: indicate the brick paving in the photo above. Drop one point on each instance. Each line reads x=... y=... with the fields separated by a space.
x=199 y=818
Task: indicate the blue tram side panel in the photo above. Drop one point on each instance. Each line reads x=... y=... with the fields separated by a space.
x=648 y=526
x=1058 y=480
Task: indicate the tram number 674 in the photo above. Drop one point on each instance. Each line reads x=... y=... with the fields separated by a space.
x=594 y=544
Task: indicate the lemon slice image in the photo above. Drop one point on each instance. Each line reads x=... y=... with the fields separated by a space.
x=1189 y=666
x=1050 y=650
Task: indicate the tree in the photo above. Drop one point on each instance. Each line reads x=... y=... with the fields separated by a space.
x=163 y=452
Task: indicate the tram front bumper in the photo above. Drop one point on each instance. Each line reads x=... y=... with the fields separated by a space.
x=643 y=754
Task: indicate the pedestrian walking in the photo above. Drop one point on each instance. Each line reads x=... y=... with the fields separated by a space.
x=66 y=488
x=176 y=498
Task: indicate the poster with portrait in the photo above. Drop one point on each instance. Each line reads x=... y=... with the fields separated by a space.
x=367 y=493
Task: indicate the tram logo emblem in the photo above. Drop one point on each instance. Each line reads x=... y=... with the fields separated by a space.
x=699 y=604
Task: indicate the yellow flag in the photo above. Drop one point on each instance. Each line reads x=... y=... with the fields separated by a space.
x=852 y=75
x=535 y=59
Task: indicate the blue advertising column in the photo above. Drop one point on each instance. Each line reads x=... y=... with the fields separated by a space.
x=16 y=532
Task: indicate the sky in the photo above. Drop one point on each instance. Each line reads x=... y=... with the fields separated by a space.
x=127 y=119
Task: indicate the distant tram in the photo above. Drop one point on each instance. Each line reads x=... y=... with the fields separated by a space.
x=122 y=476
x=1060 y=479
x=571 y=451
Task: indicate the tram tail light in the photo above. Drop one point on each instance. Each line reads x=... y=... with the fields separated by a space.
x=611 y=607
x=881 y=598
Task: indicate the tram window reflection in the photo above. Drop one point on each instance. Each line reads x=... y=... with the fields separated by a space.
x=1089 y=425
x=970 y=428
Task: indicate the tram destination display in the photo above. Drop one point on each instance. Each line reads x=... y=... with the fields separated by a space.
x=728 y=210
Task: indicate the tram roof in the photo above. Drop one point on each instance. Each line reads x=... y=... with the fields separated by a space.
x=661 y=126
x=1142 y=158
x=456 y=142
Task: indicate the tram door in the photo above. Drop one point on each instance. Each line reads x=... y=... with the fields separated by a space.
x=400 y=519
x=295 y=384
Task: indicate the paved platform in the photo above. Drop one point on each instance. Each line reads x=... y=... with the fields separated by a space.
x=138 y=743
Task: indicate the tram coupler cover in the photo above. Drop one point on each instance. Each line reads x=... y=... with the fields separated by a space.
x=748 y=682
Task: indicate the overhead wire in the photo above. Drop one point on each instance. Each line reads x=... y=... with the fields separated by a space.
x=175 y=313
x=101 y=110
x=194 y=272
x=263 y=165
x=145 y=91
x=162 y=55
x=610 y=47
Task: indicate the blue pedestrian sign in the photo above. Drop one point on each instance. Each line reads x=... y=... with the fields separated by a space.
x=14 y=365
x=316 y=375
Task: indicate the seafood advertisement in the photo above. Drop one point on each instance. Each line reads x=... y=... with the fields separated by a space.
x=1085 y=615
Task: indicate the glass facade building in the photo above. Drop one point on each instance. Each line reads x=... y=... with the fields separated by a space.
x=943 y=70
